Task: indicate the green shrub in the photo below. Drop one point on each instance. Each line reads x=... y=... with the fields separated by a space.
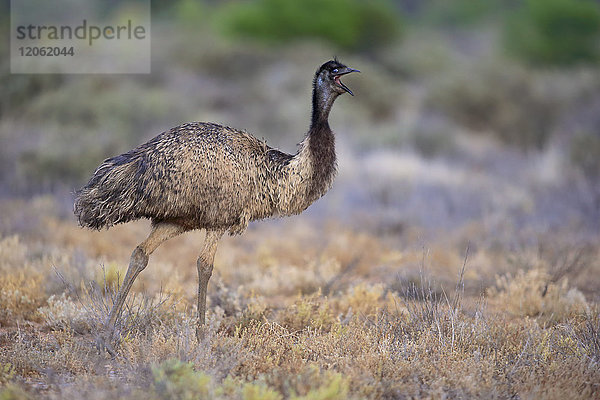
x=460 y=12
x=190 y=12
x=348 y=24
x=253 y=391
x=13 y=392
x=554 y=32
x=174 y=379
x=334 y=387
x=7 y=373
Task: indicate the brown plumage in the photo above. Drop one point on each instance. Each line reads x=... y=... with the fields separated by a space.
x=207 y=176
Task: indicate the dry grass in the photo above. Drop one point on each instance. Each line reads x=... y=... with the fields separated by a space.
x=313 y=312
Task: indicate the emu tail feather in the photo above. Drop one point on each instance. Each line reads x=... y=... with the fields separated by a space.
x=109 y=197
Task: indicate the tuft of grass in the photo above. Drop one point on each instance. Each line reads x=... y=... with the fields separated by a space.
x=21 y=295
x=22 y=289
x=7 y=373
x=533 y=294
x=13 y=392
x=308 y=312
x=176 y=380
x=363 y=300
x=62 y=313
x=586 y=335
x=252 y=391
x=334 y=388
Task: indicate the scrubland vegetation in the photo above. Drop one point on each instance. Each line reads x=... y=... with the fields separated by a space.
x=457 y=256
x=299 y=310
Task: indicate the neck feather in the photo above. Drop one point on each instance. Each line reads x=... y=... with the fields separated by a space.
x=321 y=147
x=317 y=161
x=322 y=100
x=309 y=174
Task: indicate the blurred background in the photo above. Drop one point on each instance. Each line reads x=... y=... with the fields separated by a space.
x=466 y=113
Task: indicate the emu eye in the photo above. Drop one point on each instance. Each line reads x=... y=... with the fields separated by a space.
x=335 y=71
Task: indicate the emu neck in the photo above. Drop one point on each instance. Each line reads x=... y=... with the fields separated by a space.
x=320 y=142
x=319 y=148
x=309 y=173
x=321 y=106
x=321 y=151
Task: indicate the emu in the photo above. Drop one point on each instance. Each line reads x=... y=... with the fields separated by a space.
x=207 y=176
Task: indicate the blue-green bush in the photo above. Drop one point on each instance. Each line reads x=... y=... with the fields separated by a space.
x=555 y=32
x=348 y=24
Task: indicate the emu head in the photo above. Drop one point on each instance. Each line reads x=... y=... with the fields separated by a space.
x=327 y=79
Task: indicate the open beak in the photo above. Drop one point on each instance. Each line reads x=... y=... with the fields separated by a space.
x=344 y=71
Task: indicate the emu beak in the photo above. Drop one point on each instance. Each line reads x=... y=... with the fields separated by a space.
x=344 y=71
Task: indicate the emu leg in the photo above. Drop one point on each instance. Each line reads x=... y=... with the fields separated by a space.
x=205 y=267
x=139 y=260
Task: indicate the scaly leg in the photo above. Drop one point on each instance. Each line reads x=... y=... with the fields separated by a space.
x=205 y=267
x=139 y=260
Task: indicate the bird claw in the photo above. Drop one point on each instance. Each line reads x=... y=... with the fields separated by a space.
x=201 y=333
x=104 y=344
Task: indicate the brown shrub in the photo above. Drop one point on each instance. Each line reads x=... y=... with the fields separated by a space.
x=533 y=294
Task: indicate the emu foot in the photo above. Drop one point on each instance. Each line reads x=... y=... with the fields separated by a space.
x=201 y=332
x=104 y=343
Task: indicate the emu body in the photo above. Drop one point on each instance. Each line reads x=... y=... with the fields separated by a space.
x=201 y=175
x=207 y=176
